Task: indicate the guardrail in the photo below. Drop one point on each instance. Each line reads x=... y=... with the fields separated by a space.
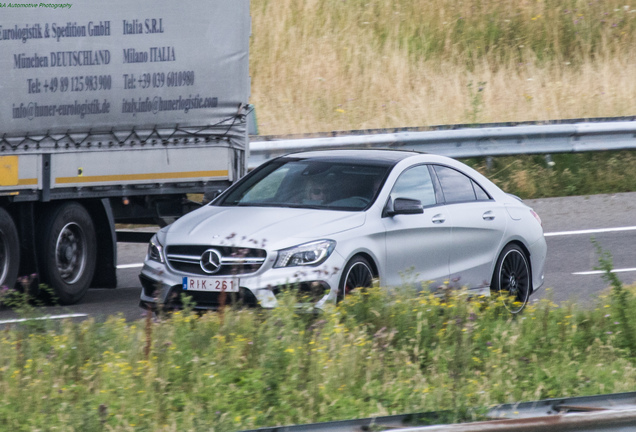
x=611 y=413
x=465 y=142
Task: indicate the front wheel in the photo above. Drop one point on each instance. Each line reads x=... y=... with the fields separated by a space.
x=512 y=279
x=68 y=252
x=357 y=274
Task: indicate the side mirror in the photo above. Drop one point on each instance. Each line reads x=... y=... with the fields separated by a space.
x=404 y=206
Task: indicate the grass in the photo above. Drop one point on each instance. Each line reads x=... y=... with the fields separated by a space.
x=561 y=174
x=377 y=353
x=331 y=65
x=323 y=65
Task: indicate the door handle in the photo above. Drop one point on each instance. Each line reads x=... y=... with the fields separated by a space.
x=489 y=215
x=438 y=219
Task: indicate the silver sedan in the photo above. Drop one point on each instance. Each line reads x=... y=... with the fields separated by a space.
x=328 y=222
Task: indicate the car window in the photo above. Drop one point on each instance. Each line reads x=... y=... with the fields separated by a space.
x=456 y=186
x=311 y=184
x=415 y=183
x=480 y=192
x=267 y=188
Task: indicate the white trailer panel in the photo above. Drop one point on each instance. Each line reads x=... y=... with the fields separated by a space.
x=122 y=65
x=122 y=167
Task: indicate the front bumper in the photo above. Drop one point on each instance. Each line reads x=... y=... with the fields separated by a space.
x=162 y=287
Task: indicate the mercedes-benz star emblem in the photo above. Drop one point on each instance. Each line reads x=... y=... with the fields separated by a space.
x=211 y=261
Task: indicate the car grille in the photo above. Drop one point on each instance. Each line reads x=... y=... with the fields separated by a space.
x=234 y=260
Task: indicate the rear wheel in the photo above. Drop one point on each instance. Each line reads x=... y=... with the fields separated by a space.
x=9 y=250
x=512 y=279
x=357 y=274
x=68 y=252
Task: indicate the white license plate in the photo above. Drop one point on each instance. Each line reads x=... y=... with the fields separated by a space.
x=210 y=284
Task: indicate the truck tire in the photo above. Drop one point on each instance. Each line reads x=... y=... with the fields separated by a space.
x=68 y=252
x=9 y=250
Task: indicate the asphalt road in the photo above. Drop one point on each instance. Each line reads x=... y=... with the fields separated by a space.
x=569 y=223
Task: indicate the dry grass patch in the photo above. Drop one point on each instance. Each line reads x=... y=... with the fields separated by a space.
x=327 y=65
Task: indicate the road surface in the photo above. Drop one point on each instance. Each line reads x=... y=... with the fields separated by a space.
x=569 y=223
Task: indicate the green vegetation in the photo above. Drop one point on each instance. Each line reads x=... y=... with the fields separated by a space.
x=561 y=174
x=374 y=354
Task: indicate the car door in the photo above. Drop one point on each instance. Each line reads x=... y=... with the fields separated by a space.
x=478 y=226
x=417 y=245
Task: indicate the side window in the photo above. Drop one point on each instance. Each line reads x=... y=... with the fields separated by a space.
x=456 y=186
x=480 y=192
x=415 y=183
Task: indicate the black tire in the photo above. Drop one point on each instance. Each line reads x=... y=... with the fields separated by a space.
x=512 y=279
x=358 y=273
x=68 y=252
x=9 y=250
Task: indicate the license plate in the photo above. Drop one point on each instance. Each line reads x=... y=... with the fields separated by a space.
x=210 y=284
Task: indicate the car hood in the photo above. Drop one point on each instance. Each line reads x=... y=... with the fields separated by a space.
x=259 y=226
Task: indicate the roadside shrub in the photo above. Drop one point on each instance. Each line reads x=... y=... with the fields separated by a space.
x=379 y=352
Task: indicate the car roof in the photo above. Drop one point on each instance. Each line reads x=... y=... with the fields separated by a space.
x=389 y=157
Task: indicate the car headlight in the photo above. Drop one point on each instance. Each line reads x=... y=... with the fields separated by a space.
x=308 y=254
x=155 y=250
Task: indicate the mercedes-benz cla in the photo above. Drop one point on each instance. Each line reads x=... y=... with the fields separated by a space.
x=327 y=222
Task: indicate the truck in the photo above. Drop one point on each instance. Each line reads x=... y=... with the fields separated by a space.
x=113 y=113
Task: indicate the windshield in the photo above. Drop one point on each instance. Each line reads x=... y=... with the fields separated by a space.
x=310 y=184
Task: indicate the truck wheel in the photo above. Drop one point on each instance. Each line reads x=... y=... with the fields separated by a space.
x=9 y=250
x=68 y=252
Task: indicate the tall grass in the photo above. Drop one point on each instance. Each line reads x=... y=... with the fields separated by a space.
x=561 y=175
x=377 y=353
x=322 y=65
